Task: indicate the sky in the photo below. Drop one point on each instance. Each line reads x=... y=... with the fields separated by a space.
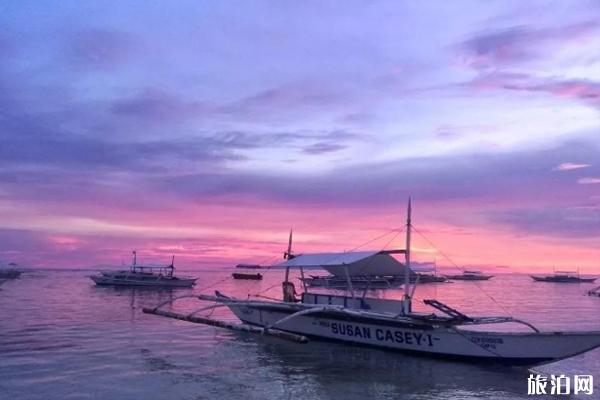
x=208 y=129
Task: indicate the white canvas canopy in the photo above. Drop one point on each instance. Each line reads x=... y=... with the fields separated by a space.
x=357 y=263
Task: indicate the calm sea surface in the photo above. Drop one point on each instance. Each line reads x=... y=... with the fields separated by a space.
x=63 y=338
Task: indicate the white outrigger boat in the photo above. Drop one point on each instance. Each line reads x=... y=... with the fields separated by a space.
x=388 y=324
x=145 y=276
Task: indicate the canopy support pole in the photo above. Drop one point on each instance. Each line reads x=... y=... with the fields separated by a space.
x=303 y=281
x=406 y=305
x=349 y=281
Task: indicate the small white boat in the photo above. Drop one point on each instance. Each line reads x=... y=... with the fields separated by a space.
x=146 y=276
x=470 y=276
x=389 y=324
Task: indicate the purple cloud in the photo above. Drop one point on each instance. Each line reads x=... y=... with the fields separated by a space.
x=499 y=48
x=586 y=91
x=322 y=148
x=153 y=105
x=560 y=222
x=588 y=181
x=101 y=48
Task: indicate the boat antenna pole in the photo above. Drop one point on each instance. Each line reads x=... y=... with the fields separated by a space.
x=134 y=258
x=407 y=300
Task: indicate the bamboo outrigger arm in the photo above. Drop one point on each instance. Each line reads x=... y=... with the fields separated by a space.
x=228 y=325
x=190 y=317
x=164 y=303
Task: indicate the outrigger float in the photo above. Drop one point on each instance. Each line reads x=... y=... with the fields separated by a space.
x=594 y=292
x=387 y=324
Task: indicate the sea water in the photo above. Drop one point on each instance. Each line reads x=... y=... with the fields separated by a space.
x=61 y=337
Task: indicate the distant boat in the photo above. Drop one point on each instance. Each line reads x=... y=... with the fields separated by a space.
x=357 y=281
x=370 y=272
x=427 y=278
x=239 y=275
x=9 y=272
x=470 y=276
x=368 y=281
x=146 y=276
x=249 y=266
x=563 y=277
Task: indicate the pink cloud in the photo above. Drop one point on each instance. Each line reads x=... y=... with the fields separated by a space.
x=588 y=181
x=570 y=166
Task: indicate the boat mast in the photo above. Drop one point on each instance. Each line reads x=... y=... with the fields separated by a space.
x=132 y=268
x=287 y=256
x=407 y=300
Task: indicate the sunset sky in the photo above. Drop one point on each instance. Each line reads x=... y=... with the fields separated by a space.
x=209 y=129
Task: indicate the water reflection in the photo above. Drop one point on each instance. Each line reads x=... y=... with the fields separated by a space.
x=61 y=336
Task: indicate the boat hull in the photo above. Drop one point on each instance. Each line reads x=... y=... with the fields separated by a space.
x=469 y=277
x=509 y=348
x=562 y=279
x=10 y=274
x=158 y=283
x=255 y=277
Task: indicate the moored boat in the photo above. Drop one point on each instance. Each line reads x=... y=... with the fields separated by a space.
x=391 y=324
x=240 y=275
x=368 y=281
x=144 y=276
x=10 y=271
x=594 y=292
x=563 y=277
x=470 y=276
x=249 y=266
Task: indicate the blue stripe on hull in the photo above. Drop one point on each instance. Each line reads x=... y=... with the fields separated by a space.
x=425 y=354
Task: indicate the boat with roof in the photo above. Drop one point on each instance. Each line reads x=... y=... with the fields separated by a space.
x=563 y=277
x=368 y=281
x=470 y=275
x=144 y=276
x=247 y=276
x=391 y=324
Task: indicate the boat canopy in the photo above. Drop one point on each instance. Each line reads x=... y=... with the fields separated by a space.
x=356 y=263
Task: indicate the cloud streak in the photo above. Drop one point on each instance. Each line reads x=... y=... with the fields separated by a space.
x=568 y=166
x=519 y=44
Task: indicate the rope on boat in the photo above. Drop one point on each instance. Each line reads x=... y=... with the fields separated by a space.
x=396 y=230
x=463 y=270
x=214 y=284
